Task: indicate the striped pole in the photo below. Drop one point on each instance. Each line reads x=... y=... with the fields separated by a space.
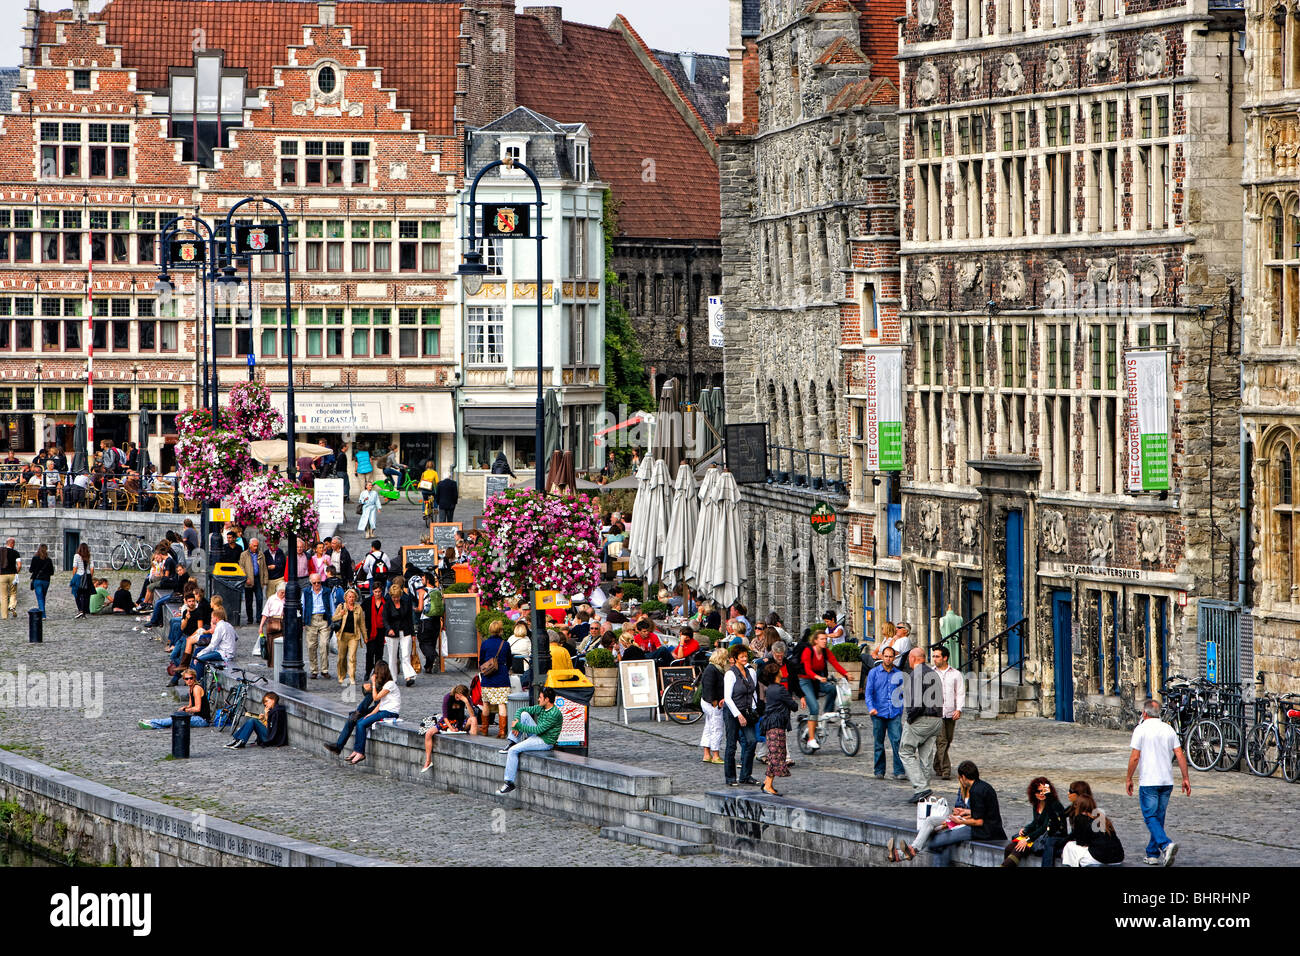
x=90 y=353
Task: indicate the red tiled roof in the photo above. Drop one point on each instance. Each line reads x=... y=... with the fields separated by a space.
x=412 y=41
x=879 y=34
x=596 y=78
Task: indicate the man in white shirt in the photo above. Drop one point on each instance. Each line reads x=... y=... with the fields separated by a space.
x=954 y=702
x=1154 y=745
x=222 y=646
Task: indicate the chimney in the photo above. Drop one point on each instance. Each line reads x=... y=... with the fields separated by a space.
x=552 y=19
x=31 y=30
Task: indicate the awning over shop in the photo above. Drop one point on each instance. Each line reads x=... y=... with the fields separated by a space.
x=366 y=412
x=500 y=420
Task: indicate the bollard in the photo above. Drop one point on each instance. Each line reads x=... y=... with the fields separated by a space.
x=35 y=626
x=180 y=736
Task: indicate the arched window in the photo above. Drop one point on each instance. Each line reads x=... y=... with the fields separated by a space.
x=1275 y=271
x=832 y=417
x=1283 y=566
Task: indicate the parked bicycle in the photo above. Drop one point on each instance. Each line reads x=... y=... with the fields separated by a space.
x=850 y=739
x=1275 y=741
x=681 y=697
x=128 y=552
x=410 y=486
x=225 y=713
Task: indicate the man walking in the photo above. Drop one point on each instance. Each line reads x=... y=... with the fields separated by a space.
x=923 y=708
x=341 y=562
x=253 y=563
x=954 y=701
x=446 y=495
x=1154 y=745
x=317 y=612
x=10 y=564
x=885 y=704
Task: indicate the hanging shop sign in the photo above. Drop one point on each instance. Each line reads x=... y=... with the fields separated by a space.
x=1146 y=376
x=823 y=518
x=884 y=424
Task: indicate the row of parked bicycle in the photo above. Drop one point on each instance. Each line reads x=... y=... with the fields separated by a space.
x=1211 y=721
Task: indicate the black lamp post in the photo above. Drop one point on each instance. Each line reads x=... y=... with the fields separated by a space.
x=291 y=669
x=473 y=269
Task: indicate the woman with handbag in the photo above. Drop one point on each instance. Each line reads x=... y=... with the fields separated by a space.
x=776 y=721
x=397 y=631
x=350 y=624
x=1045 y=833
x=42 y=569
x=272 y=623
x=711 y=706
x=368 y=507
x=494 y=658
x=83 y=579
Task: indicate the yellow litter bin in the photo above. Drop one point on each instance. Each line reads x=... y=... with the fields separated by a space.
x=573 y=693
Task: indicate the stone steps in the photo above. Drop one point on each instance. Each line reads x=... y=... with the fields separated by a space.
x=693 y=811
x=654 y=841
x=658 y=823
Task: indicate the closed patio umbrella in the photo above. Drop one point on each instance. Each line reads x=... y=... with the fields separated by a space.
x=658 y=505
x=79 y=455
x=699 y=568
x=726 y=571
x=668 y=436
x=560 y=476
x=550 y=424
x=636 y=551
x=682 y=521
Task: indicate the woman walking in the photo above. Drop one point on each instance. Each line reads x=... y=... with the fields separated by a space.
x=83 y=579
x=711 y=704
x=776 y=721
x=273 y=623
x=369 y=506
x=350 y=623
x=494 y=659
x=42 y=569
x=397 y=631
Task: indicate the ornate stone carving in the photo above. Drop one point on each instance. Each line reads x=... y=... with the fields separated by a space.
x=1103 y=54
x=967 y=74
x=1056 y=284
x=927 y=13
x=253 y=169
x=927 y=82
x=1101 y=271
x=927 y=283
x=1149 y=271
x=1282 y=137
x=1055 y=538
x=968 y=274
x=1011 y=78
x=397 y=170
x=1151 y=55
x=968 y=526
x=1057 y=69
x=1013 y=281
x=1151 y=539
x=1101 y=539
x=931 y=520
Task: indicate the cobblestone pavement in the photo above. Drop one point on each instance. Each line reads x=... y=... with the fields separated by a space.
x=1231 y=819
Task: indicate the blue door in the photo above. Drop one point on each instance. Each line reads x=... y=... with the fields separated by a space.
x=1015 y=580
x=1062 y=634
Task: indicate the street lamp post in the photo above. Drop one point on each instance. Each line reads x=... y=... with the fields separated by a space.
x=473 y=270
x=291 y=669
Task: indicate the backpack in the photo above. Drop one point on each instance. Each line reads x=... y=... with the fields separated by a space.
x=433 y=603
x=380 y=568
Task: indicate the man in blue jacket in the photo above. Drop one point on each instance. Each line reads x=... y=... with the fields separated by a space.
x=317 y=613
x=885 y=703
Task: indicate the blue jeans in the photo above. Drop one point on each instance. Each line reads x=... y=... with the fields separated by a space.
x=174 y=635
x=893 y=726
x=251 y=727
x=941 y=843
x=165 y=722
x=747 y=744
x=523 y=743
x=828 y=692
x=178 y=649
x=40 y=586
x=364 y=725
x=158 y=605
x=207 y=657
x=1154 y=802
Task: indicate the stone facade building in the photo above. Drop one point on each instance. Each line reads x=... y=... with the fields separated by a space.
x=1270 y=332
x=810 y=223
x=1069 y=182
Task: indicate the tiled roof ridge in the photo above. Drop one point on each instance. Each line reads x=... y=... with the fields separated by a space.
x=680 y=100
x=841 y=46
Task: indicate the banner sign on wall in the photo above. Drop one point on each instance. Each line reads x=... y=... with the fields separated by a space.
x=884 y=425
x=716 y=338
x=1146 y=376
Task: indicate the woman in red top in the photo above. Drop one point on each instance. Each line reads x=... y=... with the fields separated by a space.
x=375 y=628
x=813 y=681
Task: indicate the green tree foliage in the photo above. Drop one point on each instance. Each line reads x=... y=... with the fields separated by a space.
x=625 y=373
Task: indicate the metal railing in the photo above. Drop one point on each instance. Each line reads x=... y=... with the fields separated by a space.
x=986 y=661
x=796 y=467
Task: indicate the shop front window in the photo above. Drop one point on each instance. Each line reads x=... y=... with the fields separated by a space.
x=482 y=450
x=525 y=452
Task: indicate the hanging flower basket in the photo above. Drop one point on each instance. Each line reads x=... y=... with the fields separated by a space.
x=533 y=540
x=250 y=412
x=210 y=463
x=194 y=421
x=291 y=510
x=253 y=496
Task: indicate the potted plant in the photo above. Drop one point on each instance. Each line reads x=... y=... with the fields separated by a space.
x=655 y=609
x=708 y=637
x=602 y=668
x=632 y=590
x=460 y=587
x=850 y=657
x=483 y=620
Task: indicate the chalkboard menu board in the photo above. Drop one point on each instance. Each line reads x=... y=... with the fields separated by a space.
x=419 y=558
x=494 y=485
x=458 y=620
x=747 y=452
x=444 y=535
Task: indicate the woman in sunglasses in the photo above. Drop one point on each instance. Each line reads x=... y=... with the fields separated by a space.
x=196 y=706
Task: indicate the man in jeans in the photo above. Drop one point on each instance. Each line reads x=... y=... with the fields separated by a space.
x=954 y=700
x=536 y=728
x=923 y=708
x=885 y=703
x=1153 y=747
x=10 y=564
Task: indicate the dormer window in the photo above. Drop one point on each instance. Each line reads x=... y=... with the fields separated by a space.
x=205 y=103
x=580 y=162
x=513 y=151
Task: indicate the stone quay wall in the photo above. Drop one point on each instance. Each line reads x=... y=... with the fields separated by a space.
x=31 y=527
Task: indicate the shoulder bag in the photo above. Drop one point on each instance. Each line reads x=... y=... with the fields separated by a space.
x=492 y=664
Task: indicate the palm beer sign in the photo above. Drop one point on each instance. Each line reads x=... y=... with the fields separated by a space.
x=822 y=518
x=506 y=220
